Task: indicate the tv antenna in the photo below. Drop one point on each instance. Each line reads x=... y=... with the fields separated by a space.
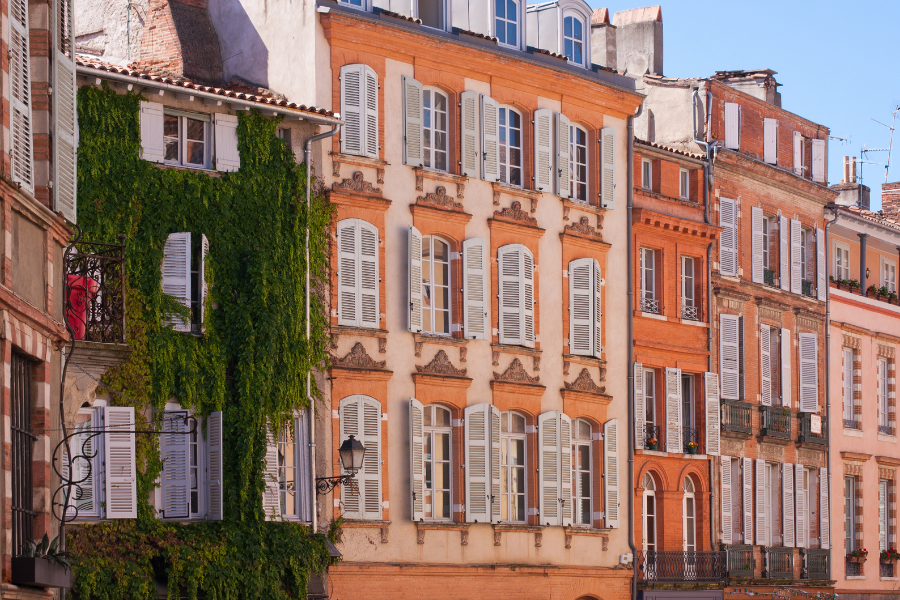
x=887 y=165
x=843 y=140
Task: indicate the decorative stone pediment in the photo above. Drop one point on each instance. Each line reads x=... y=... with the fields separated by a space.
x=440 y=198
x=356 y=184
x=357 y=358
x=584 y=383
x=441 y=365
x=516 y=213
x=516 y=373
x=583 y=226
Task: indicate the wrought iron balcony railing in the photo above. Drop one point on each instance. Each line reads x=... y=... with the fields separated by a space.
x=737 y=417
x=652 y=433
x=809 y=288
x=676 y=567
x=649 y=305
x=806 y=430
x=854 y=569
x=884 y=569
x=886 y=429
x=740 y=561
x=769 y=277
x=690 y=436
x=852 y=424
x=95 y=291
x=690 y=313
x=816 y=564
x=775 y=422
x=779 y=563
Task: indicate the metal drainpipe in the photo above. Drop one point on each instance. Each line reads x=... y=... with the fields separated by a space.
x=311 y=411
x=863 y=280
x=828 y=361
x=630 y=346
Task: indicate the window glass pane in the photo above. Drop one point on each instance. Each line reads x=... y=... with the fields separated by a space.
x=171 y=138
x=287 y=473
x=517 y=423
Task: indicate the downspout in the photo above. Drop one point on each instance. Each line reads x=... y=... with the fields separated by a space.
x=630 y=345
x=828 y=360
x=311 y=412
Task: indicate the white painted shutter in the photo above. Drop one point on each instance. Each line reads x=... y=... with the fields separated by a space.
x=368 y=275
x=798 y=153
x=152 y=147
x=786 y=367
x=490 y=139
x=371 y=104
x=713 y=416
x=176 y=276
x=271 y=500
x=598 y=311
x=528 y=297
x=548 y=456
x=348 y=272
x=762 y=526
x=770 y=144
x=228 y=158
x=809 y=376
x=412 y=122
x=516 y=295
x=469 y=137
x=608 y=167
x=581 y=306
x=726 y=504
x=747 y=469
x=414 y=287
x=800 y=507
x=818 y=160
x=204 y=286
x=20 y=118
x=353 y=110
x=304 y=472
x=64 y=144
x=796 y=267
x=639 y=411
x=732 y=126
x=475 y=289
x=784 y=273
x=495 y=463
x=673 y=410
x=756 y=220
x=417 y=458
x=611 y=472
x=787 y=504
x=543 y=149
x=824 y=515
x=765 y=364
x=566 y=503
x=821 y=278
x=173 y=451
x=882 y=516
x=214 y=478
x=361 y=416
x=728 y=242
x=729 y=356
x=563 y=143
x=120 y=468
x=478 y=463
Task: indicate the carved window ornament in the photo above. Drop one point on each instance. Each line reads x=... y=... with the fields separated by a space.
x=356 y=184
x=441 y=365
x=440 y=198
x=584 y=383
x=583 y=227
x=516 y=373
x=358 y=358
x=516 y=213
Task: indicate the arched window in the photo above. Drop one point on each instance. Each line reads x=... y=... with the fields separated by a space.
x=690 y=516
x=512 y=467
x=573 y=39
x=434 y=129
x=510 y=134
x=582 y=485
x=438 y=428
x=650 y=512
x=578 y=163
x=435 y=285
x=506 y=22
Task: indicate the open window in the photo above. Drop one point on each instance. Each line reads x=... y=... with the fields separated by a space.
x=287 y=492
x=188 y=139
x=184 y=278
x=191 y=452
x=513 y=476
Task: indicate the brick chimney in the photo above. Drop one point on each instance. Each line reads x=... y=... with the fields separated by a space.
x=180 y=38
x=639 y=41
x=890 y=201
x=603 y=39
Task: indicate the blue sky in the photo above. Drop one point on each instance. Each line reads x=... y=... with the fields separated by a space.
x=836 y=61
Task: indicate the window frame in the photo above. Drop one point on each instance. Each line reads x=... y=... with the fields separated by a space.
x=298 y=456
x=585 y=36
x=444 y=15
x=428 y=432
x=201 y=447
x=688 y=404
x=506 y=469
x=429 y=151
x=182 y=140
x=847 y=385
x=365 y=5
x=849 y=516
x=519 y=20
x=574 y=180
x=884 y=489
x=647 y=174
x=889 y=274
x=684 y=281
x=841 y=271
x=882 y=380
x=578 y=516
x=649 y=396
x=648 y=271
x=689 y=522
x=503 y=144
x=449 y=285
x=650 y=492
x=94 y=423
x=684 y=184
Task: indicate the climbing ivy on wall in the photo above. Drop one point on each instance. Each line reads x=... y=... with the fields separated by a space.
x=251 y=362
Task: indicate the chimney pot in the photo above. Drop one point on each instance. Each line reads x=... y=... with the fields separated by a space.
x=846 y=170
x=852 y=169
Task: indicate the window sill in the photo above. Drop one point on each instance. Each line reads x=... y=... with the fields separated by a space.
x=883 y=437
x=518 y=527
x=434 y=174
x=586 y=530
x=208 y=171
x=853 y=433
x=513 y=190
x=338 y=330
x=855 y=577
x=350 y=523
x=651 y=452
x=578 y=205
x=442 y=525
x=509 y=348
x=654 y=316
x=358 y=161
x=890 y=579
x=694 y=323
x=439 y=338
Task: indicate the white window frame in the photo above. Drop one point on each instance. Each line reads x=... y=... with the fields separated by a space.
x=684 y=184
x=365 y=5
x=884 y=517
x=300 y=458
x=574 y=164
x=688 y=404
x=585 y=37
x=430 y=431
x=519 y=20
x=648 y=269
x=766 y=227
x=689 y=515
x=506 y=470
x=95 y=448
x=503 y=143
x=430 y=287
x=688 y=281
x=889 y=274
x=445 y=15
x=647 y=174
x=847 y=384
x=849 y=513
x=650 y=492
x=578 y=442
x=182 y=139
x=841 y=261
x=882 y=387
x=430 y=130
x=649 y=398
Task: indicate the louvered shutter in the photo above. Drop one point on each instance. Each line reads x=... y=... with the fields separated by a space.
x=796 y=266
x=20 y=119
x=762 y=525
x=152 y=147
x=417 y=458
x=64 y=144
x=566 y=503
x=516 y=295
x=528 y=297
x=548 y=455
x=608 y=167
x=747 y=480
x=478 y=463
x=475 y=289
x=414 y=287
x=361 y=416
x=640 y=433
x=784 y=273
x=726 y=504
x=271 y=501
x=728 y=259
x=353 y=110
x=228 y=158
x=787 y=504
x=469 y=139
x=86 y=473
x=821 y=278
x=581 y=306
x=490 y=139
x=543 y=149
x=120 y=468
x=756 y=220
x=824 y=515
x=800 y=506
x=786 y=367
x=204 y=286
x=765 y=364
x=713 y=429
x=368 y=275
x=173 y=452
x=809 y=376
x=673 y=410
x=732 y=126
x=882 y=516
x=176 y=276
x=563 y=166
x=818 y=160
x=598 y=311
x=770 y=134
x=798 y=153
x=371 y=103
x=214 y=481
x=495 y=463
x=729 y=356
x=412 y=122
x=304 y=472
x=348 y=269
x=611 y=472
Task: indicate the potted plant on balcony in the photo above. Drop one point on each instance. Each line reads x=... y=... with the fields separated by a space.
x=890 y=556
x=693 y=447
x=652 y=444
x=858 y=556
x=43 y=565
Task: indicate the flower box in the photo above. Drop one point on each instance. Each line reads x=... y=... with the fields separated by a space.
x=652 y=445
x=40 y=572
x=856 y=559
x=693 y=449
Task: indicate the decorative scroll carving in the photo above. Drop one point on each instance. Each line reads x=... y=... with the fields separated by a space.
x=495 y=358
x=566 y=367
x=461 y=191
x=441 y=365
x=516 y=213
x=568 y=540
x=583 y=227
x=440 y=198
x=600 y=218
x=566 y=211
x=464 y=537
x=602 y=374
x=379 y=175
x=420 y=536
x=497 y=535
x=463 y=353
x=496 y=197
x=766 y=312
x=534 y=202
x=808 y=322
x=382 y=345
x=357 y=184
x=584 y=383
x=516 y=373
x=538 y=539
x=335 y=168
x=420 y=182
x=536 y=363
x=358 y=358
x=419 y=346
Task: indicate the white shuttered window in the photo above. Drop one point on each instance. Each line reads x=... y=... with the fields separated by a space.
x=358 y=274
x=759 y=243
x=64 y=142
x=818 y=160
x=732 y=126
x=555 y=468
x=747 y=481
x=482 y=468
x=543 y=149
x=516 y=287
x=20 y=118
x=360 y=417
x=563 y=166
x=809 y=376
x=611 y=472
x=796 y=258
x=730 y=339
x=770 y=141
x=727 y=499
x=673 y=410
x=412 y=121
x=584 y=307
x=787 y=504
x=359 y=108
x=475 y=289
x=120 y=475
x=470 y=134
x=713 y=417
x=728 y=242
x=608 y=167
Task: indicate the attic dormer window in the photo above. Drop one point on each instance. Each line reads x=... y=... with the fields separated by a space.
x=573 y=39
x=506 y=22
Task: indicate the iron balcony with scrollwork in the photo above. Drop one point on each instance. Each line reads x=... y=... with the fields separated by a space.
x=649 y=305
x=689 y=436
x=778 y=563
x=775 y=422
x=769 y=277
x=737 y=417
x=690 y=313
x=807 y=436
x=809 y=288
x=681 y=567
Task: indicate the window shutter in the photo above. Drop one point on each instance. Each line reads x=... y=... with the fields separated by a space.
x=469 y=138
x=608 y=167
x=798 y=153
x=728 y=259
x=563 y=143
x=765 y=364
x=761 y=498
x=348 y=295
x=543 y=149
x=756 y=220
x=732 y=126
x=786 y=367
x=349 y=413
x=176 y=276
x=359 y=108
x=824 y=516
x=368 y=281
x=152 y=147
x=639 y=410
x=818 y=160
x=214 y=481
x=796 y=267
x=770 y=151
x=490 y=139
x=611 y=472
x=475 y=289
x=566 y=503
x=417 y=458
x=516 y=295
x=174 y=455
x=304 y=472
x=371 y=123
x=204 y=286
x=271 y=501
x=415 y=280
x=478 y=463
x=809 y=377
x=713 y=429
x=673 y=411
x=548 y=434
x=528 y=298
x=821 y=278
x=748 y=499
x=495 y=463
x=228 y=158
x=412 y=122
x=20 y=119
x=361 y=416
x=598 y=311
x=119 y=454
x=581 y=305
x=64 y=146
x=800 y=506
x=787 y=504
x=729 y=356
x=725 y=485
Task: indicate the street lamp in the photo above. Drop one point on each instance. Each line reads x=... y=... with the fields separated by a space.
x=352 y=453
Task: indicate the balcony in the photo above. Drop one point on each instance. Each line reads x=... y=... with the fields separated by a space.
x=691 y=436
x=737 y=417
x=769 y=277
x=807 y=435
x=678 y=567
x=809 y=288
x=690 y=313
x=775 y=422
x=649 y=305
x=815 y=564
x=779 y=563
x=740 y=561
